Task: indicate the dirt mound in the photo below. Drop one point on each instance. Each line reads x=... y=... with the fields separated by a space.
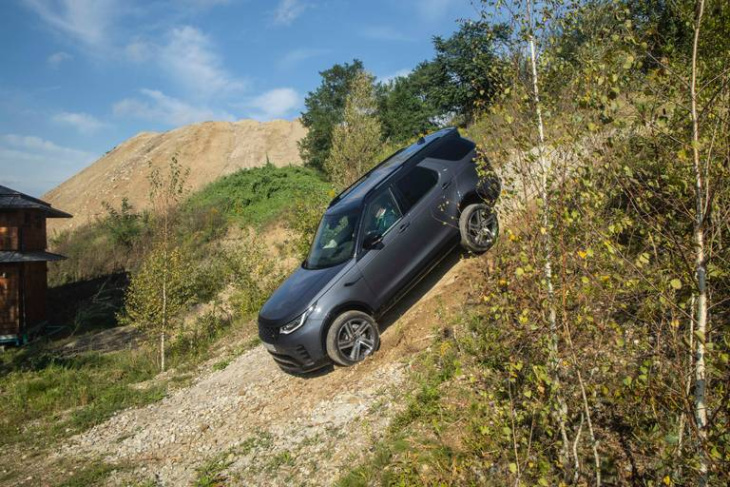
x=209 y=149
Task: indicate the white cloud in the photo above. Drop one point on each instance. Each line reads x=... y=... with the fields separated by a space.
x=401 y=73
x=83 y=122
x=384 y=33
x=433 y=10
x=139 y=50
x=58 y=58
x=160 y=108
x=34 y=165
x=296 y=56
x=88 y=21
x=191 y=60
x=276 y=103
x=288 y=10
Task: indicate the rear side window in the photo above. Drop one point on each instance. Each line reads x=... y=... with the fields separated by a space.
x=414 y=185
x=453 y=150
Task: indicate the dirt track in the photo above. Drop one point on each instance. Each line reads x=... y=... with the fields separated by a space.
x=273 y=428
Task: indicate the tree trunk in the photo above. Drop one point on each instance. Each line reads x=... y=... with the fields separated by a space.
x=547 y=239
x=700 y=262
x=164 y=317
x=162 y=351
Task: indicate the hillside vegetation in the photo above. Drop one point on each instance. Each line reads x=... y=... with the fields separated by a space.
x=67 y=382
x=595 y=351
x=588 y=347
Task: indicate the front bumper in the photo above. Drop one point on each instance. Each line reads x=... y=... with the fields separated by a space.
x=298 y=353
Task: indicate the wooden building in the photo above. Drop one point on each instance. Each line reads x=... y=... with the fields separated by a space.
x=23 y=259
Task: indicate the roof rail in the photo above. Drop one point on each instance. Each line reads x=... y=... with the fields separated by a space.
x=422 y=142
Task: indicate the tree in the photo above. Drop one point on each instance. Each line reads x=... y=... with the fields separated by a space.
x=466 y=72
x=123 y=224
x=356 y=142
x=324 y=110
x=405 y=107
x=159 y=290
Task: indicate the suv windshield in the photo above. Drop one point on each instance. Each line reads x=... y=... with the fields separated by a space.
x=334 y=242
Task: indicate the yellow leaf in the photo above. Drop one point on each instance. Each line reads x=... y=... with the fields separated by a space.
x=582 y=254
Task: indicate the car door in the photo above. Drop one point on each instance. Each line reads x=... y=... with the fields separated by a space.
x=384 y=267
x=422 y=190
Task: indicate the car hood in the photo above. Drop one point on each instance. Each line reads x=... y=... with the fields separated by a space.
x=296 y=293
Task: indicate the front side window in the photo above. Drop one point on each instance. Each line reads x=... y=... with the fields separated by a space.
x=416 y=184
x=334 y=242
x=381 y=215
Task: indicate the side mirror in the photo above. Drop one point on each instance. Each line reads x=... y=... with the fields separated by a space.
x=372 y=240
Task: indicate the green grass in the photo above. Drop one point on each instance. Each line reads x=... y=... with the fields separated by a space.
x=49 y=397
x=257 y=196
x=211 y=474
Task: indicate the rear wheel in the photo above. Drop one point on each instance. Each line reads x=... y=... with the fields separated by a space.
x=479 y=227
x=353 y=336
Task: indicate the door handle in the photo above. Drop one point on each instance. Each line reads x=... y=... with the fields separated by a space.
x=403 y=227
x=446 y=184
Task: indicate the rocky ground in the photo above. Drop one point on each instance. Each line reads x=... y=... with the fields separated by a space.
x=259 y=426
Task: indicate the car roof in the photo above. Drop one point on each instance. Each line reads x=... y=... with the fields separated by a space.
x=353 y=197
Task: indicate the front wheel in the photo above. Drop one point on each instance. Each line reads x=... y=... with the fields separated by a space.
x=353 y=336
x=479 y=227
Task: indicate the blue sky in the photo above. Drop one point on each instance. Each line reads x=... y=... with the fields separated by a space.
x=80 y=76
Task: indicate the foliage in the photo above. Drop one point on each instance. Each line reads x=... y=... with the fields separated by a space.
x=253 y=273
x=251 y=197
x=123 y=225
x=405 y=107
x=324 y=110
x=466 y=73
x=621 y=215
x=356 y=142
x=304 y=220
x=162 y=281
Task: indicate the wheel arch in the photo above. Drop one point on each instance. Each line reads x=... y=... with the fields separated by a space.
x=470 y=198
x=337 y=311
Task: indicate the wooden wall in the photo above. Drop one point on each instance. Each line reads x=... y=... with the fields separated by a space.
x=35 y=275
x=23 y=286
x=22 y=230
x=9 y=299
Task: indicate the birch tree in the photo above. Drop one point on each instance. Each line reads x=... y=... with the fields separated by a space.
x=160 y=289
x=700 y=259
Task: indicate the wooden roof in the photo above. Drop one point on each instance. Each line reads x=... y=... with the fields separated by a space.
x=11 y=199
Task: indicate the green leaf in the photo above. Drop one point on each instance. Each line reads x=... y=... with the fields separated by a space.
x=676 y=283
x=513 y=467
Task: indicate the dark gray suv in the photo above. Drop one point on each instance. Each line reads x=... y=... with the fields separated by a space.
x=376 y=240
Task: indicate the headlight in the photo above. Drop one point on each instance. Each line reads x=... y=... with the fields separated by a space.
x=294 y=325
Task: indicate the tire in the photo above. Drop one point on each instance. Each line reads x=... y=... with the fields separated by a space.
x=352 y=337
x=479 y=227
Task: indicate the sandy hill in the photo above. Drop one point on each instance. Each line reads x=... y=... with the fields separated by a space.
x=210 y=150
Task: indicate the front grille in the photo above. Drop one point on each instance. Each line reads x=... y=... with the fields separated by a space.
x=267 y=334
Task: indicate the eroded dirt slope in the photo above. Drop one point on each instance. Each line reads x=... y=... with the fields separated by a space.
x=210 y=150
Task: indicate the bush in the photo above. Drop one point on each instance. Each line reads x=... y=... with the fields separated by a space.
x=255 y=196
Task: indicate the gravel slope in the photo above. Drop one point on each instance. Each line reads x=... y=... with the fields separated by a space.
x=273 y=428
